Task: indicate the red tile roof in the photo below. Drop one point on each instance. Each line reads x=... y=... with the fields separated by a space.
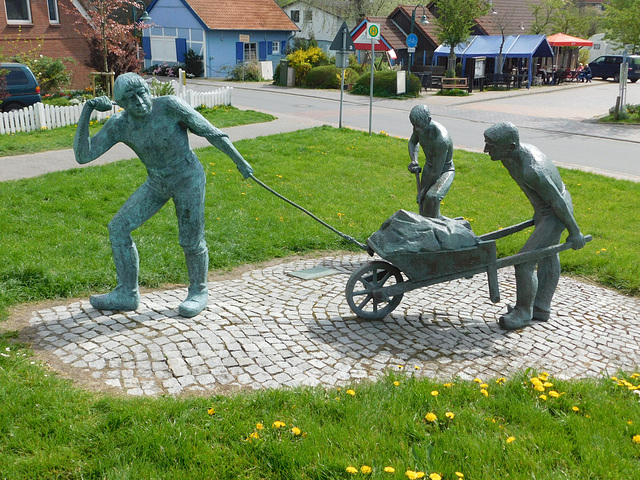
x=242 y=15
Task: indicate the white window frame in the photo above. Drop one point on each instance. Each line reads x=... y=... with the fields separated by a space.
x=251 y=52
x=163 y=49
x=27 y=4
x=54 y=13
x=275 y=48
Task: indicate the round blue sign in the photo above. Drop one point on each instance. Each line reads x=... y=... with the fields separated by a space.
x=412 y=40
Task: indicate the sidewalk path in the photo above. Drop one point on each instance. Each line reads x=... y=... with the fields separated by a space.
x=35 y=164
x=268 y=329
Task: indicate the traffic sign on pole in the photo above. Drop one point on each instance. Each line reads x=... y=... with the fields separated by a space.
x=343 y=40
x=373 y=31
x=412 y=40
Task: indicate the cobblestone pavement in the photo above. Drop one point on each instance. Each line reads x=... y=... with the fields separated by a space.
x=270 y=329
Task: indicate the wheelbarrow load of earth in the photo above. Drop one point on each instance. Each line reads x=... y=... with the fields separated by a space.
x=429 y=251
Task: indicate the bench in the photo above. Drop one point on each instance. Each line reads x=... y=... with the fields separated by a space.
x=451 y=83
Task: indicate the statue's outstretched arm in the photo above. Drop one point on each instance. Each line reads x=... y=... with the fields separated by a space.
x=88 y=148
x=202 y=127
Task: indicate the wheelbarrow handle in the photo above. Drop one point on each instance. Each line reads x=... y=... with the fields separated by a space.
x=537 y=254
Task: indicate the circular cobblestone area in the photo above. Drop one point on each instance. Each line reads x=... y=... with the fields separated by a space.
x=269 y=329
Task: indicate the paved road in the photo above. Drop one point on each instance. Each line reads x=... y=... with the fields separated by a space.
x=557 y=119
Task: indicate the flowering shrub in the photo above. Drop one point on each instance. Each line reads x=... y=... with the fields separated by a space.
x=303 y=60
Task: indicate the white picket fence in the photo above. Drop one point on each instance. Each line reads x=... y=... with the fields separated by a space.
x=42 y=116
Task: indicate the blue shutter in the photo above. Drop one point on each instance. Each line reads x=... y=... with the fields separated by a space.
x=269 y=48
x=262 y=51
x=181 y=49
x=146 y=47
x=239 y=52
x=283 y=47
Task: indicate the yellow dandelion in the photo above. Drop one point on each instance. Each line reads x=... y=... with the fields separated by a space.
x=450 y=415
x=543 y=376
x=448 y=385
x=575 y=409
x=510 y=439
x=396 y=383
x=434 y=393
x=365 y=469
x=351 y=392
x=296 y=431
x=353 y=470
x=278 y=424
x=435 y=476
x=211 y=411
x=431 y=417
x=543 y=397
x=636 y=439
x=389 y=469
x=501 y=381
x=536 y=381
x=477 y=380
x=459 y=474
x=420 y=474
x=547 y=384
x=554 y=394
x=411 y=475
x=484 y=385
x=484 y=392
x=539 y=388
x=254 y=435
x=259 y=426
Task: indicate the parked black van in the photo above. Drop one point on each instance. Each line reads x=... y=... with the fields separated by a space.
x=22 y=87
x=608 y=66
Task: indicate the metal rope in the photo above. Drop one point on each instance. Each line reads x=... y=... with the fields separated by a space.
x=343 y=235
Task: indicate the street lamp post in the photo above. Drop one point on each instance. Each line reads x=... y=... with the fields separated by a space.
x=423 y=21
x=143 y=18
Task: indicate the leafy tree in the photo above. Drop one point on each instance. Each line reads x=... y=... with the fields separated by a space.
x=112 y=35
x=622 y=21
x=454 y=22
x=350 y=10
x=572 y=17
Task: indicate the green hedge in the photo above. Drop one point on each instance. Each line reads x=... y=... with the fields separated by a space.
x=328 y=76
x=385 y=84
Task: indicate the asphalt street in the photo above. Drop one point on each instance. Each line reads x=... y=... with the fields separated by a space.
x=560 y=120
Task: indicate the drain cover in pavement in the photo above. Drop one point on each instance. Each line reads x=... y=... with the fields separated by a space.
x=315 y=272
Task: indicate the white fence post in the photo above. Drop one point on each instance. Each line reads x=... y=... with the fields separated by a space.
x=41 y=116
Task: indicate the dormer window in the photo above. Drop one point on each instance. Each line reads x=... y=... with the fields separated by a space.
x=295 y=16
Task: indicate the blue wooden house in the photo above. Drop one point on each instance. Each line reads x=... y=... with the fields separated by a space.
x=224 y=32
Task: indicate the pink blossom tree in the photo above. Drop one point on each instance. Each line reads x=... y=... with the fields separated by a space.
x=112 y=35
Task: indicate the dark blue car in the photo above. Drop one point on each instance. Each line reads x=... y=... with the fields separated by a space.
x=21 y=86
x=608 y=66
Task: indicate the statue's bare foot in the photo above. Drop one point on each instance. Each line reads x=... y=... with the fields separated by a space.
x=194 y=304
x=116 y=301
x=514 y=319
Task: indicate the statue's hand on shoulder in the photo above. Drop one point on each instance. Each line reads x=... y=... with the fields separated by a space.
x=102 y=104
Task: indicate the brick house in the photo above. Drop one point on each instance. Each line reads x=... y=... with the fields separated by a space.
x=25 y=24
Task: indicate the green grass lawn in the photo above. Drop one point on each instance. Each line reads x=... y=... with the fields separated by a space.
x=55 y=245
x=61 y=138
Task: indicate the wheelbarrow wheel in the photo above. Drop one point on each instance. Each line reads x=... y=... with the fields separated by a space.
x=363 y=295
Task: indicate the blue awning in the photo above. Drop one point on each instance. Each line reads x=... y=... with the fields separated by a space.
x=515 y=46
